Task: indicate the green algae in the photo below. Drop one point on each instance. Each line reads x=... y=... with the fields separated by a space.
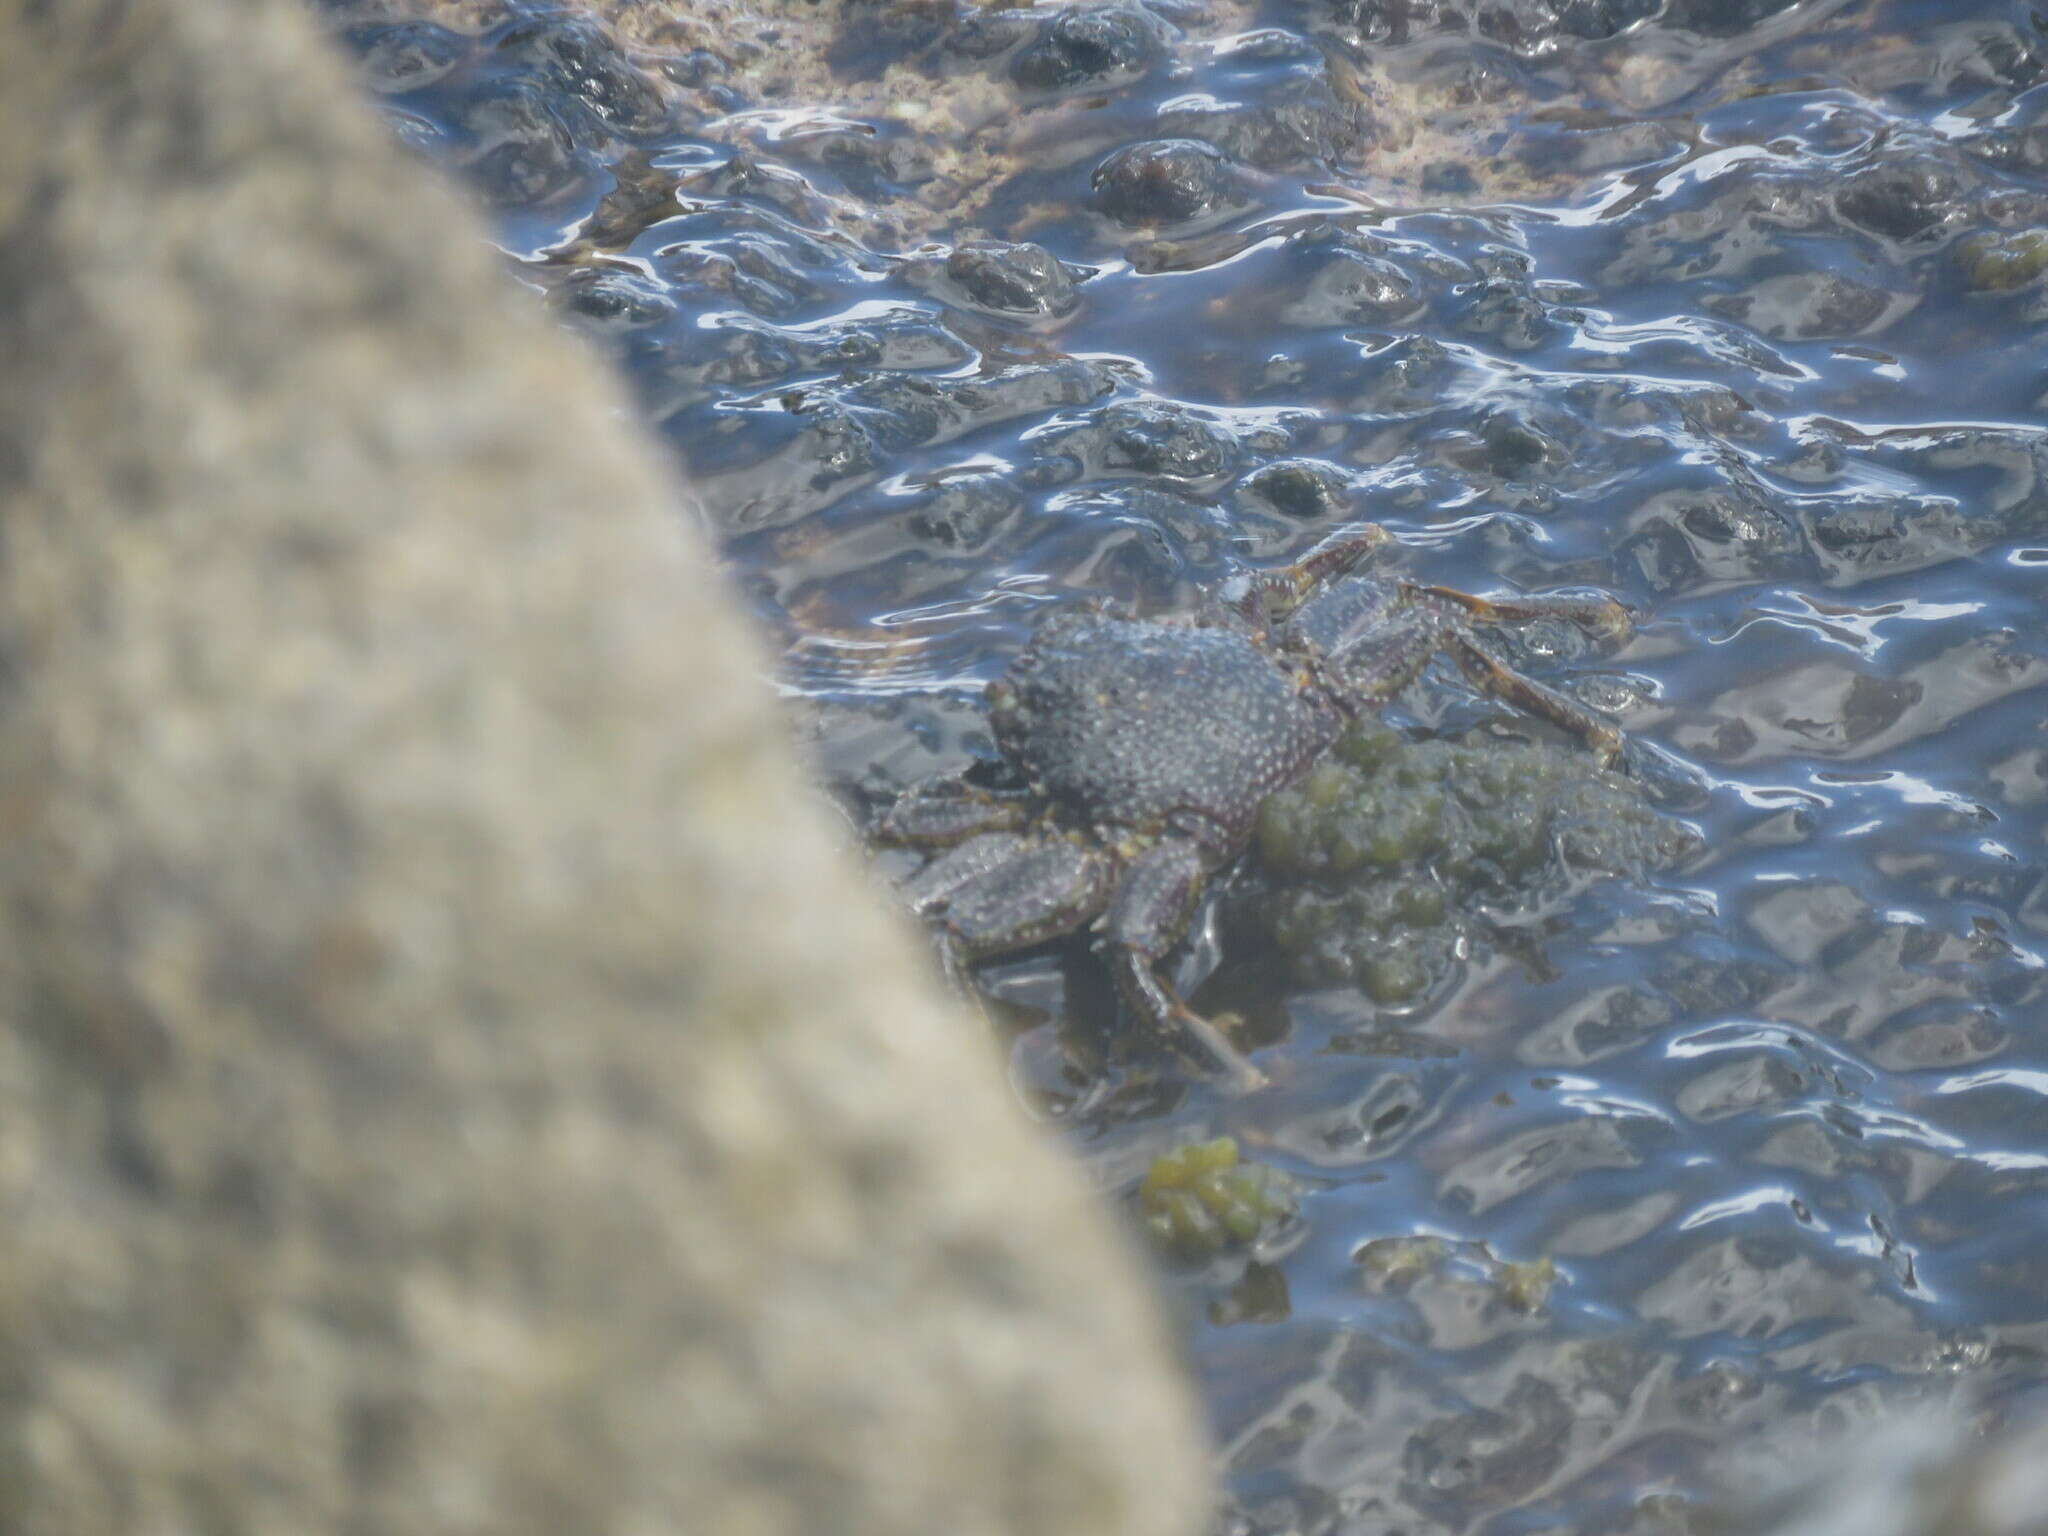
x=1202 y=1200
x=1998 y=261
x=1372 y=866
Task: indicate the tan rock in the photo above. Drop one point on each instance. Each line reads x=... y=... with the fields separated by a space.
x=448 y=1083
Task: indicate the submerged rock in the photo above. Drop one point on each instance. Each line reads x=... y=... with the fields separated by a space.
x=1166 y=181
x=1011 y=279
x=2000 y=261
x=1924 y=1475
x=1092 y=45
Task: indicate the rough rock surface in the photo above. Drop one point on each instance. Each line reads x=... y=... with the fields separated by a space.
x=446 y=1083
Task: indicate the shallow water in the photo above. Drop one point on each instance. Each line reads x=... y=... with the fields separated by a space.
x=1712 y=304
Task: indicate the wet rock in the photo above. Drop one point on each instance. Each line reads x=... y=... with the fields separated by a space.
x=1011 y=279
x=1092 y=45
x=1301 y=125
x=1906 y=199
x=1855 y=539
x=1142 y=544
x=447 y=1083
x=1163 y=439
x=874 y=165
x=1688 y=538
x=821 y=440
x=1300 y=489
x=1354 y=284
x=1506 y=445
x=750 y=178
x=1805 y=306
x=407 y=55
x=1139 y=437
x=762 y=279
x=1464 y=1463
x=519 y=151
x=966 y=511
x=577 y=60
x=1165 y=181
x=615 y=301
x=1922 y=1474
x=979 y=36
x=1507 y=311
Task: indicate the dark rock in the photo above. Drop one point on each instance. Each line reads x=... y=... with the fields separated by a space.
x=1164 y=439
x=1906 y=199
x=1011 y=279
x=580 y=61
x=1165 y=181
x=965 y=512
x=1091 y=45
x=1301 y=489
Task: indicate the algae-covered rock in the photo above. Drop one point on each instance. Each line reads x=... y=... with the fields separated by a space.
x=1203 y=1199
x=1454 y=1279
x=1999 y=261
x=1373 y=864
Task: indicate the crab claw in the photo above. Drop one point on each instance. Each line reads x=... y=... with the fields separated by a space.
x=1261 y=596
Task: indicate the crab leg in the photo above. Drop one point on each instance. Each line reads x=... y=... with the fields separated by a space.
x=944 y=810
x=931 y=888
x=1151 y=912
x=1601 y=617
x=1262 y=596
x=1003 y=891
x=1006 y=890
x=1496 y=677
x=1375 y=667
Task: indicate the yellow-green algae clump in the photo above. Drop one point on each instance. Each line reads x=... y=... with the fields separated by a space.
x=1372 y=864
x=1200 y=1200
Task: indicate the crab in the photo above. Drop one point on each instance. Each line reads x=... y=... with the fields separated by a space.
x=1140 y=751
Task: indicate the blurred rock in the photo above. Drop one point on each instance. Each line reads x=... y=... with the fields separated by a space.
x=1929 y=1475
x=448 y=1083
